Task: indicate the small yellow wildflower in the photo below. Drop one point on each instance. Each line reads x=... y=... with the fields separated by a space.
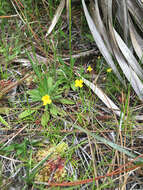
x=46 y=100
x=79 y=83
x=109 y=70
x=89 y=68
x=98 y=57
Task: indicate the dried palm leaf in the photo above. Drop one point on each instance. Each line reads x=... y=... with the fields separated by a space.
x=122 y=14
x=115 y=39
x=99 y=23
x=128 y=63
x=56 y=17
x=100 y=43
x=128 y=55
x=136 y=12
x=137 y=41
x=107 y=101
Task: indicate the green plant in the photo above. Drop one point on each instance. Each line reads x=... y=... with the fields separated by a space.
x=49 y=91
x=20 y=149
x=5 y=7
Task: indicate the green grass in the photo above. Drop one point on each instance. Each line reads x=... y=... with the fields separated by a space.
x=73 y=111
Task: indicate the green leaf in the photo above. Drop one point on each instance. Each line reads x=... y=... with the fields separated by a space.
x=4 y=122
x=73 y=87
x=26 y=113
x=62 y=112
x=55 y=88
x=19 y=151
x=50 y=82
x=54 y=110
x=90 y=37
x=4 y=110
x=66 y=101
x=35 y=95
x=57 y=97
x=34 y=65
x=9 y=148
x=45 y=118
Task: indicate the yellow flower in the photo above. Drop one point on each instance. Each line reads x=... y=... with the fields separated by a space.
x=98 y=57
x=46 y=100
x=89 y=68
x=79 y=83
x=109 y=70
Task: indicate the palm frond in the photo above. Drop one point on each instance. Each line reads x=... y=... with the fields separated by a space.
x=56 y=16
x=119 y=35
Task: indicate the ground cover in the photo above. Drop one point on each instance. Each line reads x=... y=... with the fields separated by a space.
x=70 y=117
